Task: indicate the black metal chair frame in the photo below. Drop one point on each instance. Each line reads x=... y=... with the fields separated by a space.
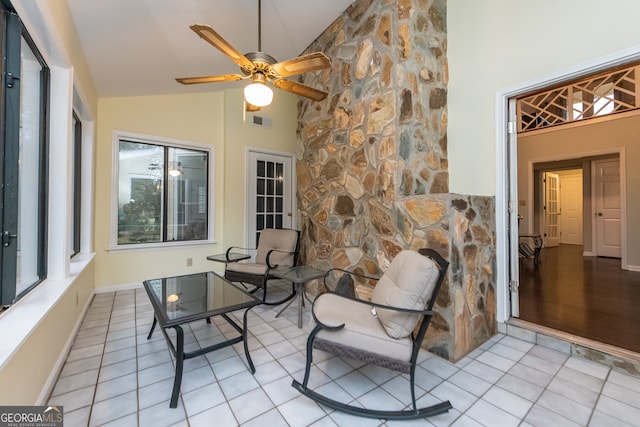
x=397 y=365
x=260 y=281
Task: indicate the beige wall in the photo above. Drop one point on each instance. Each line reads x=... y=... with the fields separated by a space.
x=214 y=118
x=622 y=132
x=25 y=374
x=495 y=44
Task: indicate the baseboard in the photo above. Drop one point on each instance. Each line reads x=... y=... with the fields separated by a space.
x=116 y=288
x=57 y=367
x=588 y=253
x=633 y=267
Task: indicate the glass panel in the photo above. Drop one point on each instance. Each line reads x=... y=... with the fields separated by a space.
x=270 y=187
x=261 y=168
x=278 y=221
x=261 y=187
x=260 y=204
x=260 y=222
x=162 y=194
x=269 y=204
x=269 y=221
x=30 y=179
x=76 y=167
x=141 y=180
x=192 y=295
x=186 y=189
x=279 y=202
x=270 y=170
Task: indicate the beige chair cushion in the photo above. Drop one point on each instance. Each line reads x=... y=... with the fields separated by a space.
x=362 y=330
x=407 y=283
x=247 y=268
x=284 y=241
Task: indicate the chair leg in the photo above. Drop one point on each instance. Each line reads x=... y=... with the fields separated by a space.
x=307 y=367
x=412 y=384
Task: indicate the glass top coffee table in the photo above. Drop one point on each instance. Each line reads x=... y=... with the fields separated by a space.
x=182 y=299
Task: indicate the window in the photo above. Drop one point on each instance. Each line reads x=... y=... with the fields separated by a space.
x=163 y=191
x=23 y=198
x=76 y=168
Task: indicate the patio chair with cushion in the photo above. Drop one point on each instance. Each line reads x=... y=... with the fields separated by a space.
x=381 y=331
x=276 y=248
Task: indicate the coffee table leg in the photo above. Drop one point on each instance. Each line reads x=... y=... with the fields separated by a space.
x=244 y=341
x=153 y=326
x=179 y=365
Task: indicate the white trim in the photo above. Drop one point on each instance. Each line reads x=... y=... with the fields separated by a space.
x=164 y=141
x=60 y=175
x=502 y=99
x=633 y=267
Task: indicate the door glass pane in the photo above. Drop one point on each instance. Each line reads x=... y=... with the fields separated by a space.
x=30 y=167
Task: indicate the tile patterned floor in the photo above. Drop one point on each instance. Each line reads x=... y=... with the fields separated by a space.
x=114 y=376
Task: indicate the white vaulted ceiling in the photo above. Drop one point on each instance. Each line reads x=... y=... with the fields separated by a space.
x=139 y=47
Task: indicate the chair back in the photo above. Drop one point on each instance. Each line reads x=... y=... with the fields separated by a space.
x=408 y=283
x=283 y=242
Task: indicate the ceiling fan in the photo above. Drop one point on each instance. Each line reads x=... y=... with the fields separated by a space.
x=261 y=67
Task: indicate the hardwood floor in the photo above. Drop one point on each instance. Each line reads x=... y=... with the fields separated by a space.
x=591 y=297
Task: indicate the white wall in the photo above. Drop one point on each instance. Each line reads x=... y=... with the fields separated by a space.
x=496 y=44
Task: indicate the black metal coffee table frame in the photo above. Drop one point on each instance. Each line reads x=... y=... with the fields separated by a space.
x=178 y=348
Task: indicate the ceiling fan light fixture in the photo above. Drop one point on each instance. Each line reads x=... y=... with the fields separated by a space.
x=258 y=93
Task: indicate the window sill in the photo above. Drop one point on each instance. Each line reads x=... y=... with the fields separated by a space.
x=19 y=320
x=162 y=245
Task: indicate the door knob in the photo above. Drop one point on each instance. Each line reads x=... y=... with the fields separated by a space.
x=599 y=213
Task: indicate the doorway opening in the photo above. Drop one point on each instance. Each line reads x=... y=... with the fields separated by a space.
x=570 y=188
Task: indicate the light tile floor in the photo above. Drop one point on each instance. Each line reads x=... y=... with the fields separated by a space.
x=115 y=376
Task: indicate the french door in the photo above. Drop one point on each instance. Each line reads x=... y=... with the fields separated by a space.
x=270 y=194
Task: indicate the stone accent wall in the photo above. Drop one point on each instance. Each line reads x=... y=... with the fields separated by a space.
x=372 y=166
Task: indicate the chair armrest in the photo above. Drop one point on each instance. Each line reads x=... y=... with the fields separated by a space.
x=328 y=273
x=269 y=265
x=236 y=247
x=369 y=303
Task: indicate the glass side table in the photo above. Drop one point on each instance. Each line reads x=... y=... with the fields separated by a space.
x=299 y=276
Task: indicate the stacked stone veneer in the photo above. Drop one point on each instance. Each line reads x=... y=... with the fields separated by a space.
x=372 y=168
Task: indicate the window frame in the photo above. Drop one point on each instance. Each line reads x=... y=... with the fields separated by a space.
x=76 y=208
x=12 y=28
x=164 y=142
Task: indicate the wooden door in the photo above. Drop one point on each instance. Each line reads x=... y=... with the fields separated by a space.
x=607 y=200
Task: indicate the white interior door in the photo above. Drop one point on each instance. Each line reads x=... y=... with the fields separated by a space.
x=551 y=209
x=270 y=194
x=608 y=208
x=571 y=207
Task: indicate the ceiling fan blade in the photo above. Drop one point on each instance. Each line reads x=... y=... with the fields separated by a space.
x=210 y=79
x=300 y=89
x=302 y=64
x=216 y=40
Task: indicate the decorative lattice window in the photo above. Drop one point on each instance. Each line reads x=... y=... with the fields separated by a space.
x=605 y=93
